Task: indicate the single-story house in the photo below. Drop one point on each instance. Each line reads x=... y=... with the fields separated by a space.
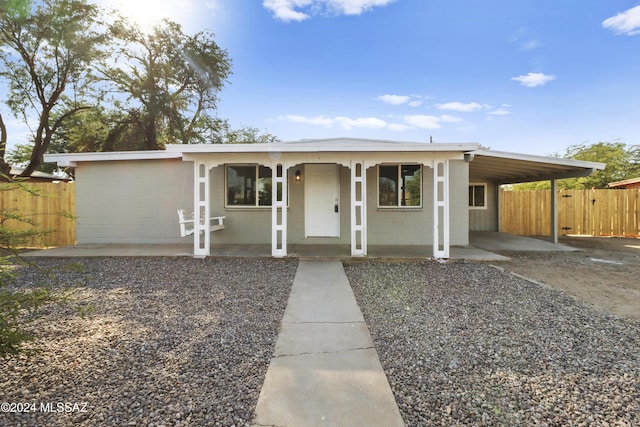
x=627 y=183
x=341 y=191
x=38 y=176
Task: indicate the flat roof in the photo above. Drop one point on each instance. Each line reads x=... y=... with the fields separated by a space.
x=511 y=168
x=484 y=165
x=333 y=145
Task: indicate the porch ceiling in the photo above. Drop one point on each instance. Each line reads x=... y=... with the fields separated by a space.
x=508 y=168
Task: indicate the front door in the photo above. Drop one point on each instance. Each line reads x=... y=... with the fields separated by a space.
x=322 y=200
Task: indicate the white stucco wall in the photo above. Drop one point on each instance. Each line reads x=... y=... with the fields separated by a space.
x=136 y=202
x=486 y=219
x=132 y=201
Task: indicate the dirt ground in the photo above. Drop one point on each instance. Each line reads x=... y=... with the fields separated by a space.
x=605 y=272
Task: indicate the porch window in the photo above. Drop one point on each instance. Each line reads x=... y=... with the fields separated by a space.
x=478 y=196
x=248 y=185
x=399 y=186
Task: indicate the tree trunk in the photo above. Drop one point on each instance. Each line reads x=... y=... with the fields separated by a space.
x=5 y=168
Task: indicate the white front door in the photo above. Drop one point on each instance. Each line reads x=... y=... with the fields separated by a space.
x=322 y=200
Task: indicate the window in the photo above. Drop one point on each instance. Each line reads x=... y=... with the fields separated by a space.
x=248 y=185
x=478 y=196
x=399 y=185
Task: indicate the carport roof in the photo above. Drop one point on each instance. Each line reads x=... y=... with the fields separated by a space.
x=509 y=168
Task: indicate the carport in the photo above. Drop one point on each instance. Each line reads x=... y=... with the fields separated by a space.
x=502 y=168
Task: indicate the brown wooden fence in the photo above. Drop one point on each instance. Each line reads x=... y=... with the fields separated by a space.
x=587 y=212
x=51 y=210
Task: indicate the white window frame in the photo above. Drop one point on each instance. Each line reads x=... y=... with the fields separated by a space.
x=398 y=204
x=486 y=187
x=257 y=204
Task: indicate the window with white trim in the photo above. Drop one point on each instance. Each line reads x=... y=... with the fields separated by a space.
x=248 y=185
x=477 y=196
x=399 y=186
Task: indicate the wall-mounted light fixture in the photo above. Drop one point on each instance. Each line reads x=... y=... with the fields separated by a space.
x=298 y=176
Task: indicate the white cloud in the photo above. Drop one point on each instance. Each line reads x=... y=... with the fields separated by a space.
x=529 y=44
x=502 y=111
x=459 y=106
x=423 y=121
x=394 y=99
x=412 y=121
x=627 y=22
x=534 y=79
x=450 y=119
x=284 y=9
x=410 y=100
x=399 y=127
x=318 y=120
x=344 y=122
x=355 y=7
x=299 y=10
x=363 y=122
x=524 y=41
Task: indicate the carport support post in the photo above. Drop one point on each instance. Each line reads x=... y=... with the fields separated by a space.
x=554 y=211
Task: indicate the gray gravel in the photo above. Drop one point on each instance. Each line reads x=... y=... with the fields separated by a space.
x=167 y=341
x=468 y=344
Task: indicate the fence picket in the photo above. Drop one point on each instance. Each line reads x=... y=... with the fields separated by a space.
x=44 y=211
x=605 y=212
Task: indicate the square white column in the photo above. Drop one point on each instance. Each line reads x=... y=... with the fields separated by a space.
x=358 y=209
x=441 y=209
x=279 y=209
x=201 y=210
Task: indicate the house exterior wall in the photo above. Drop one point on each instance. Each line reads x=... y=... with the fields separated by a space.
x=132 y=201
x=486 y=219
x=250 y=225
x=136 y=202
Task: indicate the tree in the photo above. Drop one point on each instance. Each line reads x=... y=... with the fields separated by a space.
x=622 y=162
x=18 y=307
x=170 y=79
x=46 y=56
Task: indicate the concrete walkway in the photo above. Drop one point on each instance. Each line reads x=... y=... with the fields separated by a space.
x=325 y=370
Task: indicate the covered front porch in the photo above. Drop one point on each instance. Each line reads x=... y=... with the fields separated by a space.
x=481 y=249
x=294 y=189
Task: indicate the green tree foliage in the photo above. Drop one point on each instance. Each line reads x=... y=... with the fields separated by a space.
x=47 y=50
x=163 y=85
x=623 y=162
x=18 y=308
x=170 y=80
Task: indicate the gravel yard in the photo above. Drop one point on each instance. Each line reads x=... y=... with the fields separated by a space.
x=166 y=341
x=468 y=344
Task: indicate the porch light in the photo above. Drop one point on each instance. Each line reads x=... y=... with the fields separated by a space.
x=298 y=175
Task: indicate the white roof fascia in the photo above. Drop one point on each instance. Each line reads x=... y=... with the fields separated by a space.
x=320 y=147
x=541 y=159
x=72 y=159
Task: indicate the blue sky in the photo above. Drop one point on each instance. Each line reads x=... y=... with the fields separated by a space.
x=530 y=76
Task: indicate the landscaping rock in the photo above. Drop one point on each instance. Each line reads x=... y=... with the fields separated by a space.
x=468 y=344
x=159 y=341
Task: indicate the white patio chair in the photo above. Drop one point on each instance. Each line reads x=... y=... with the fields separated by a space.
x=187 y=223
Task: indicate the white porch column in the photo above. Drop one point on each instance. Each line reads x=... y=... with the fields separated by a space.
x=201 y=210
x=279 y=209
x=358 y=209
x=441 y=209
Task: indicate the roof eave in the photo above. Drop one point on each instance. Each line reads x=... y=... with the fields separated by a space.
x=72 y=159
x=541 y=159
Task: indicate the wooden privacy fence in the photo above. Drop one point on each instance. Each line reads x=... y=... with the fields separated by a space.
x=51 y=209
x=587 y=212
